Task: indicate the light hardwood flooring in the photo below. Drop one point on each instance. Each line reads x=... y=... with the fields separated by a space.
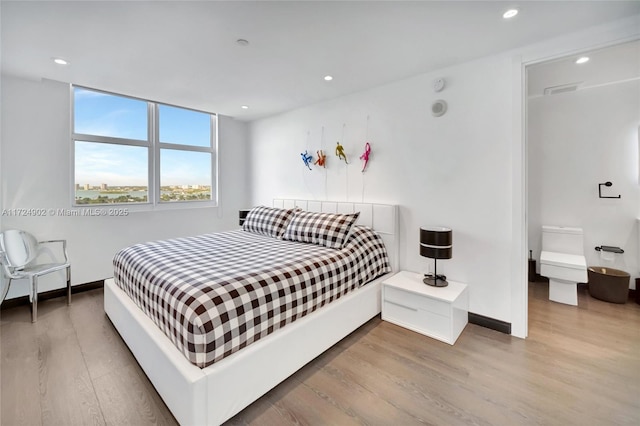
x=580 y=365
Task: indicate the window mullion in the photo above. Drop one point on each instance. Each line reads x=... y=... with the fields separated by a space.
x=106 y=139
x=154 y=154
x=179 y=147
x=213 y=134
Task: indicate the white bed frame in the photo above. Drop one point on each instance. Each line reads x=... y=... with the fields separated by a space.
x=214 y=394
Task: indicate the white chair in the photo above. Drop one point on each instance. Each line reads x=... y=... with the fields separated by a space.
x=19 y=251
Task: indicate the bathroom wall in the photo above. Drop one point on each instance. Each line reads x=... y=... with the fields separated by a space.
x=575 y=141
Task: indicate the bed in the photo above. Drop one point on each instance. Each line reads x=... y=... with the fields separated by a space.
x=211 y=390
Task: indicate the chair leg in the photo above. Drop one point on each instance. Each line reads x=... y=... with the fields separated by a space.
x=6 y=290
x=68 y=285
x=34 y=299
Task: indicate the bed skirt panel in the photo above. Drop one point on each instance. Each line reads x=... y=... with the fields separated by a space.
x=261 y=366
x=216 y=393
x=181 y=384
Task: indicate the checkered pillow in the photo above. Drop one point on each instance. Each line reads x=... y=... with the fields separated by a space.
x=325 y=229
x=267 y=221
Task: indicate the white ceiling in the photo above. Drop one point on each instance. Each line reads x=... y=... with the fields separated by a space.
x=615 y=64
x=185 y=53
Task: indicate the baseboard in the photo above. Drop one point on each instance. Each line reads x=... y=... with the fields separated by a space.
x=60 y=292
x=492 y=323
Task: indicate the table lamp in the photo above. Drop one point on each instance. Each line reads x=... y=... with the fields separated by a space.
x=435 y=243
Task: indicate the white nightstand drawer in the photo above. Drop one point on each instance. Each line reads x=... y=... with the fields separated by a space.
x=438 y=312
x=417 y=320
x=415 y=301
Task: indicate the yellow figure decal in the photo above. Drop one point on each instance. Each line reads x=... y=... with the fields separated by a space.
x=340 y=152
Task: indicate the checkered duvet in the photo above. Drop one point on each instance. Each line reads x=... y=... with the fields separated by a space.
x=214 y=294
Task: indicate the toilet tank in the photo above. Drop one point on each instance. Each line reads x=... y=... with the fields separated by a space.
x=562 y=239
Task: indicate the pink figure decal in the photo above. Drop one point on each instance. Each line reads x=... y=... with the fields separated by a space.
x=365 y=155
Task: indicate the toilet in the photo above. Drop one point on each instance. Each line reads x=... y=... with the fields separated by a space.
x=562 y=261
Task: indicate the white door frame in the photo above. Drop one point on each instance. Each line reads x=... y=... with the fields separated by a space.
x=603 y=36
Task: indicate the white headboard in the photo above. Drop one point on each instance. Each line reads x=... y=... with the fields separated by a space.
x=382 y=218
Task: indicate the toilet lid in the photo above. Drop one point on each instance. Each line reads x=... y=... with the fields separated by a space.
x=564 y=260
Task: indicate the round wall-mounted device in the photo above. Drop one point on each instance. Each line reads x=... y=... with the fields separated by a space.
x=438 y=84
x=438 y=108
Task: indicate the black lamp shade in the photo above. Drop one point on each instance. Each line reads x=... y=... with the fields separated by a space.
x=436 y=242
x=242 y=215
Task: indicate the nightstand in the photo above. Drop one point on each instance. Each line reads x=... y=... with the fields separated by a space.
x=438 y=312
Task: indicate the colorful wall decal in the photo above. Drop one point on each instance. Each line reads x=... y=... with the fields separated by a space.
x=365 y=156
x=306 y=158
x=322 y=159
x=340 y=152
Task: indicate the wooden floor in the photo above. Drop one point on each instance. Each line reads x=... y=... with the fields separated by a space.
x=580 y=365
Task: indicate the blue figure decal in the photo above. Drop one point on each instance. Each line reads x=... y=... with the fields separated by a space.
x=306 y=158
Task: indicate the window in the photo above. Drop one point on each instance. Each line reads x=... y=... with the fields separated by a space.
x=130 y=150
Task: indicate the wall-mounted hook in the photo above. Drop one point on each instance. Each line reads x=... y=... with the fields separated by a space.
x=610 y=249
x=600 y=190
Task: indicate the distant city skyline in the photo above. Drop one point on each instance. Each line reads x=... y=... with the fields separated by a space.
x=105 y=194
x=104 y=186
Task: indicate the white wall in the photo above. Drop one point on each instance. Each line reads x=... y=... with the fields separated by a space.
x=453 y=171
x=464 y=170
x=575 y=141
x=2 y=278
x=36 y=173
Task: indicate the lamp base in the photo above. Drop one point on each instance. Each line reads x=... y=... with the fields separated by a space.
x=435 y=281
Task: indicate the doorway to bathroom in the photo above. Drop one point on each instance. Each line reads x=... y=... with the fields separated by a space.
x=582 y=117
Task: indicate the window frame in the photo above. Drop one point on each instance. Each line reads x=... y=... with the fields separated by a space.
x=154 y=146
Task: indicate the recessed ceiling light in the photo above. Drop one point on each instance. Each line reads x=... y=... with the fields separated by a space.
x=245 y=107
x=60 y=61
x=582 y=60
x=510 y=13
x=328 y=78
x=242 y=42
